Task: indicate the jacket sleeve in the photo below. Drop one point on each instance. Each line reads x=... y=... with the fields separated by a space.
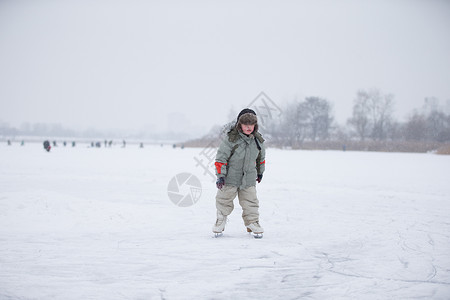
x=261 y=160
x=222 y=156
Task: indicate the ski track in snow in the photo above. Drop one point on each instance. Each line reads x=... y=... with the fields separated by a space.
x=80 y=223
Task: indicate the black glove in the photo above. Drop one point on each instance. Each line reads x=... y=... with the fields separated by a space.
x=259 y=178
x=220 y=182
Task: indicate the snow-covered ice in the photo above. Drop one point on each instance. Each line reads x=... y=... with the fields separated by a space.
x=83 y=223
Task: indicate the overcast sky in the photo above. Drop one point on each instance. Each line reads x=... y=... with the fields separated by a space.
x=145 y=64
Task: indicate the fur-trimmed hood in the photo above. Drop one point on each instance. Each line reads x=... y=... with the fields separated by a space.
x=247 y=117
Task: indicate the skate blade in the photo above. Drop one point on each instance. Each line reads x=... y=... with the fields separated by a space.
x=258 y=235
x=218 y=234
x=255 y=235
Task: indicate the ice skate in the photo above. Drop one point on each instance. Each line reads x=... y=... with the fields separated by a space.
x=256 y=229
x=219 y=227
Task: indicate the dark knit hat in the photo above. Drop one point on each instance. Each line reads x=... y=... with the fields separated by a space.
x=245 y=111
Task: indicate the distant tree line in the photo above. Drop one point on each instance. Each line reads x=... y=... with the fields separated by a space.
x=36 y=129
x=58 y=130
x=372 y=120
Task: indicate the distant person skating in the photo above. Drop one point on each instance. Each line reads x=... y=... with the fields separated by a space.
x=240 y=163
x=47 y=146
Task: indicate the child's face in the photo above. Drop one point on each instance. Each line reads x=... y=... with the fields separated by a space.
x=247 y=129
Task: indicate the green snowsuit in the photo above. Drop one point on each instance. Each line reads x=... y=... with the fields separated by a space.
x=240 y=159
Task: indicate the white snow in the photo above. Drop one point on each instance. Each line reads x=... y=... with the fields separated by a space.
x=81 y=223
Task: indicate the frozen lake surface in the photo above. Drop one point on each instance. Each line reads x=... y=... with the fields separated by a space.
x=84 y=223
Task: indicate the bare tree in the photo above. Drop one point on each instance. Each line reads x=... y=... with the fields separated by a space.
x=416 y=128
x=431 y=124
x=293 y=126
x=381 y=107
x=430 y=104
x=372 y=114
x=315 y=113
x=438 y=126
x=360 y=117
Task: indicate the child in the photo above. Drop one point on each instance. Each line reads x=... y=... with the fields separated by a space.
x=240 y=162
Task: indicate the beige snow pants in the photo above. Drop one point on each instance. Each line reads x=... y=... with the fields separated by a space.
x=247 y=199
